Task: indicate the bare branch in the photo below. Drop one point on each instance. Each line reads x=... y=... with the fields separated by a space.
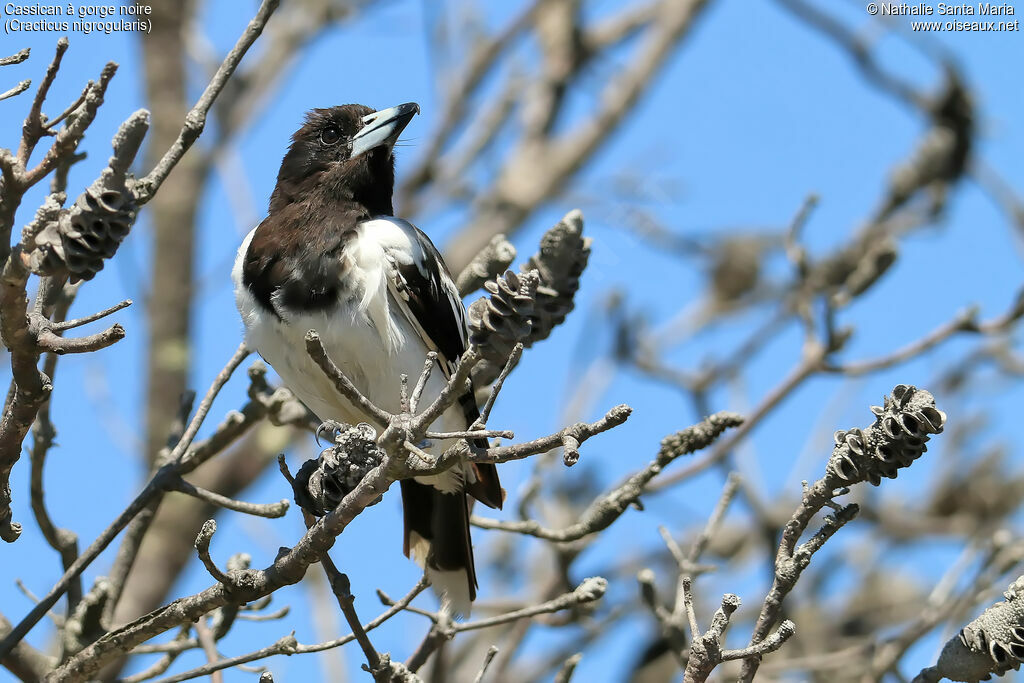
x=491 y=651
x=858 y=50
x=492 y=395
x=589 y=590
x=16 y=58
x=966 y=321
x=85 y=320
x=316 y=351
x=493 y=260
x=270 y=616
x=421 y=383
x=289 y=645
x=66 y=141
x=565 y=673
x=33 y=128
x=181 y=460
x=203 y=548
x=283 y=646
x=525 y=181
x=895 y=447
x=189 y=460
x=478 y=65
x=24 y=661
x=32 y=388
x=609 y=507
x=16 y=90
x=269 y=510
x=770 y=644
x=205 y=636
x=473 y=434
x=580 y=432
x=808 y=365
x=700 y=544
x=164 y=663
x=195 y=120
x=48 y=341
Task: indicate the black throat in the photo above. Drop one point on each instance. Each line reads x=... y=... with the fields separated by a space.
x=367 y=181
x=295 y=262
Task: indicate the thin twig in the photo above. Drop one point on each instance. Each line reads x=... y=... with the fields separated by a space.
x=510 y=364
x=966 y=321
x=421 y=383
x=195 y=120
x=203 y=548
x=565 y=673
x=473 y=434
x=164 y=663
x=269 y=510
x=589 y=590
x=48 y=341
x=316 y=351
x=85 y=320
x=809 y=364
x=146 y=498
x=289 y=645
x=33 y=128
x=16 y=90
x=581 y=431
x=16 y=58
x=205 y=636
x=604 y=510
x=491 y=651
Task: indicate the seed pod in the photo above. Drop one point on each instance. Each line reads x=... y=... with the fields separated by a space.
x=84 y=236
x=563 y=255
x=991 y=644
x=902 y=426
x=498 y=322
x=557 y=268
x=78 y=240
x=321 y=484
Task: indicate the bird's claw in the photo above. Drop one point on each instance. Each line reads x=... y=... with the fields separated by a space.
x=327 y=426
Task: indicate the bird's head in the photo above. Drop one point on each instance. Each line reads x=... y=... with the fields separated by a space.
x=345 y=151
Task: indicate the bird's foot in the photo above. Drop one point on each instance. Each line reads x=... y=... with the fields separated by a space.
x=328 y=427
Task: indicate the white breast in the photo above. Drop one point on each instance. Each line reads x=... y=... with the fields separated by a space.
x=366 y=335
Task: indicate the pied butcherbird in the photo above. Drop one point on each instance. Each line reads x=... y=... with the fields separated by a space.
x=331 y=256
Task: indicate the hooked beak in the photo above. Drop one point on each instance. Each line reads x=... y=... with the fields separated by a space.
x=382 y=128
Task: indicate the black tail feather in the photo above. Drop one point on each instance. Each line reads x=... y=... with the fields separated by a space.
x=441 y=519
x=487 y=488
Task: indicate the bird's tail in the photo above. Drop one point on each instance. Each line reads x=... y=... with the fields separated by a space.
x=437 y=538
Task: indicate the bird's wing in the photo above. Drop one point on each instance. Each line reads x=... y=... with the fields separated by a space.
x=425 y=292
x=427 y=296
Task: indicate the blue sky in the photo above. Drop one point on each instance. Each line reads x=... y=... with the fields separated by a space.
x=754 y=112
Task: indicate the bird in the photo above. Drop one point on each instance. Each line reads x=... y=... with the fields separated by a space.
x=331 y=256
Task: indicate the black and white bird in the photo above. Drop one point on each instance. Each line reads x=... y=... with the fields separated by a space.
x=331 y=256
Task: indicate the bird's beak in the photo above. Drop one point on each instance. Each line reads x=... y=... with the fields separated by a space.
x=382 y=128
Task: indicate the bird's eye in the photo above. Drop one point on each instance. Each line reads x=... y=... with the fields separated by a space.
x=330 y=135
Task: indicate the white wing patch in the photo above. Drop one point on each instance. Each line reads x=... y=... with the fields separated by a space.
x=371 y=262
x=400 y=245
